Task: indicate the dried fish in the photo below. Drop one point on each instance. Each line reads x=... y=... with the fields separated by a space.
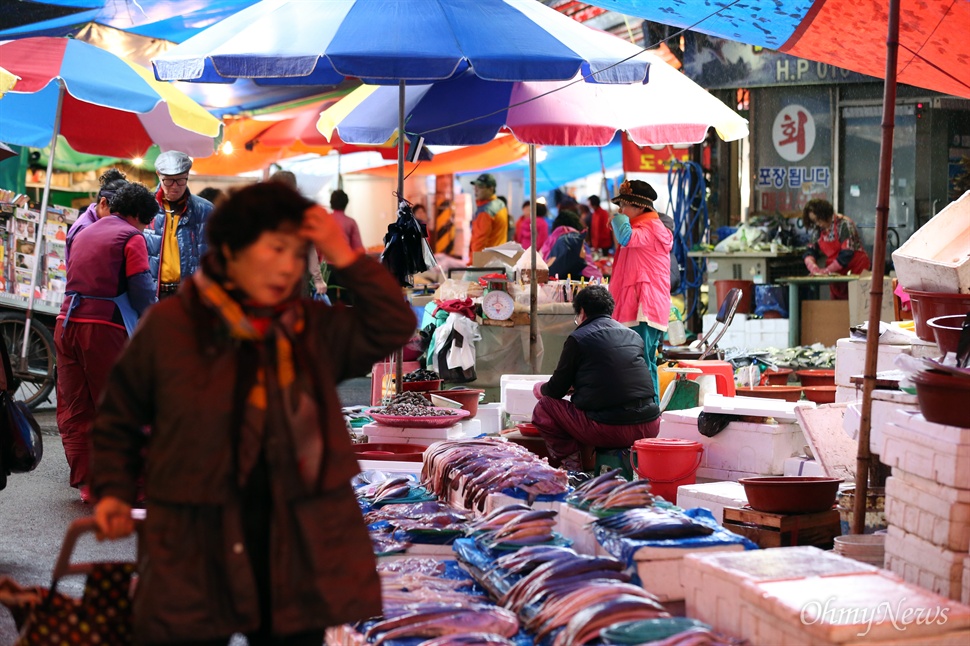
x=653 y=524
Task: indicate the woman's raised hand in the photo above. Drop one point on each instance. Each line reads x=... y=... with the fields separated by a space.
x=320 y=228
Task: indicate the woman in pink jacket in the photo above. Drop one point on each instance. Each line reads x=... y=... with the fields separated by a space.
x=640 y=283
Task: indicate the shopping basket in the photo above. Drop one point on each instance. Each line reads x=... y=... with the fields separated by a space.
x=101 y=616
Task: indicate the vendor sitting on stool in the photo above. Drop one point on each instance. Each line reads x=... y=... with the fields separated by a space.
x=613 y=400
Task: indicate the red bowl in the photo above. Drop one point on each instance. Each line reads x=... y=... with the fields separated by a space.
x=929 y=305
x=791 y=494
x=820 y=394
x=937 y=392
x=775 y=377
x=527 y=429
x=947 y=330
x=816 y=377
x=467 y=397
x=389 y=452
x=787 y=393
x=421 y=386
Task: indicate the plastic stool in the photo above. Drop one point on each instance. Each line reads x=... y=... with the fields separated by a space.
x=723 y=373
x=599 y=460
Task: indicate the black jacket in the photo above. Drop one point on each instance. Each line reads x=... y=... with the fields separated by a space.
x=603 y=362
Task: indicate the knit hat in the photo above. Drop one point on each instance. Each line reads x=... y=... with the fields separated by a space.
x=637 y=193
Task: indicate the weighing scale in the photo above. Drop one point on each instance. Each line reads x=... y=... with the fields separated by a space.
x=497 y=303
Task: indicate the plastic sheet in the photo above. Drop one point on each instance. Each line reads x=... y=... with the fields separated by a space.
x=625 y=548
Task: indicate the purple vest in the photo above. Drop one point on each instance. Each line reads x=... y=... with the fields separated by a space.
x=96 y=267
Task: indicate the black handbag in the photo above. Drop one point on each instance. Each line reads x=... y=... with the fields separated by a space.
x=21 y=446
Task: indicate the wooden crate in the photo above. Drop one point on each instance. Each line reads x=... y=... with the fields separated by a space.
x=781 y=530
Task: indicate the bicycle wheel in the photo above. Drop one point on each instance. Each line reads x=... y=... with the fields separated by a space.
x=35 y=385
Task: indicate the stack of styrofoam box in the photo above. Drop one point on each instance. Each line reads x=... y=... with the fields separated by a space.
x=965 y=595
x=734 y=336
x=661 y=569
x=743 y=449
x=885 y=403
x=490 y=418
x=751 y=333
x=516 y=396
x=936 y=258
x=803 y=595
x=850 y=360
x=383 y=434
x=713 y=496
x=805 y=467
x=928 y=502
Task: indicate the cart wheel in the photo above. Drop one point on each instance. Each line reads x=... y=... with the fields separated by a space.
x=35 y=385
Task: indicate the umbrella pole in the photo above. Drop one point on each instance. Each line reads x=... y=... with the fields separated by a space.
x=533 y=283
x=399 y=354
x=864 y=457
x=22 y=364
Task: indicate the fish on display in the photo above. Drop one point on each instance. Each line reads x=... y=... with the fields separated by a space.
x=586 y=624
x=539 y=582
x=555 y=613
x=470 y=639
x=446 y=621
x=653 y=524
x=628 y=495
x=528 y=528
x=529 y=558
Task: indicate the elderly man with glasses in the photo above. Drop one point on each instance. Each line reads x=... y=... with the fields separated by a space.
x=176 y=238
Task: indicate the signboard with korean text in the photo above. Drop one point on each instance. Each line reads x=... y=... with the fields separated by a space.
x=793 y=160
x=652 y=159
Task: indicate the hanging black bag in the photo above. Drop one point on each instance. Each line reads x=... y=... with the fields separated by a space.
x=21 y=446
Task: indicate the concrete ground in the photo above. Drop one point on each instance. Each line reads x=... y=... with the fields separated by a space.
x=37 y=507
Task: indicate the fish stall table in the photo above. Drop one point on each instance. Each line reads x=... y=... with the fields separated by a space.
x=794 y=299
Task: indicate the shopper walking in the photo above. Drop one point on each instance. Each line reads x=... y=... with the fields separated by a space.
x=176 y=239
x=108 y=288
x=110 y=181
x=252 y=525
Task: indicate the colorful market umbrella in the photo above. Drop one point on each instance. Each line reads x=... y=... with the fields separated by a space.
x=100 y=104
x=469 y=110
x=380 y=42
x=934 y=51
x=7 y=81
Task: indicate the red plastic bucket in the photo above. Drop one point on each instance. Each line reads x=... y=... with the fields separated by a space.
x=668 y=463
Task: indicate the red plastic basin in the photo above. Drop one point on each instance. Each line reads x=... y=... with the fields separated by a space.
x=947 y=330
x=929 y=305
x=389 y=452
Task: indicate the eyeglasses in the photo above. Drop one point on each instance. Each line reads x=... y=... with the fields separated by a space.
x=180 y=181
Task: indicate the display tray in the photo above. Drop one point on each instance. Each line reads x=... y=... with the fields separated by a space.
x=407 y=421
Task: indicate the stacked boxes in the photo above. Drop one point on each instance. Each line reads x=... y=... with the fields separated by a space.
x=928 y=502
x=803 y=595
x=712 y=496
x=751 y=333
x=850 y=360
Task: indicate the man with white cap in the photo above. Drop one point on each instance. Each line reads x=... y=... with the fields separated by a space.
x=490 y=224
x=176 y=238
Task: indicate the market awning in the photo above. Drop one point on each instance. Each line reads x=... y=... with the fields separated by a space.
x=464 y=160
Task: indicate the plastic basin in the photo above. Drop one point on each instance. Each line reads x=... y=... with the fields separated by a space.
x=816 y=377
x=929 y=305
x=787 y=393
x=947 y=331
x=390 y=452
x=775 y=377
x=820 y=394
x=467 y=397
x=421 y=386
x=791 y=494
x=938 y=394
x=528 y=429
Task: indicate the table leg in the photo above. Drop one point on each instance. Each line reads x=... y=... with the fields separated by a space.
x=794 y=316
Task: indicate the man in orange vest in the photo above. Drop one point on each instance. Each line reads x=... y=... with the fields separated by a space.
x=490 y=224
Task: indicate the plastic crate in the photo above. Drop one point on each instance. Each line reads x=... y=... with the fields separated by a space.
x=937 y=257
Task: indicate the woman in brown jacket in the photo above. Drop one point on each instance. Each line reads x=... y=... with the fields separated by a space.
x=252 y=525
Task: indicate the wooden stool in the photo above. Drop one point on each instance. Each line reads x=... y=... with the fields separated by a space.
x=784 y=530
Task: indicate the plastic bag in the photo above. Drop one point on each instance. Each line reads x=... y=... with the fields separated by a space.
x=21 y=446
x=771 y=298
x=406 y=248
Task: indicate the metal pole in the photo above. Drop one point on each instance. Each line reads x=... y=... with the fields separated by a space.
x=533 y=283
x=399 y=354
x=22 y=364
x=878 y=270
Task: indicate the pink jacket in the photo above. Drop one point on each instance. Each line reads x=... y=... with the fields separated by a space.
x=640 y=283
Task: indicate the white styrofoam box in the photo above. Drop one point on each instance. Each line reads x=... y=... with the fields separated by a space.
x=516 y=393
x=737 y=323
x=760 y=449
x=422 y=550
x=885 y=403
x=725 y=475
x=921 y=563
x=802 y=466
x=495 y=500
x=518 y=398
x=713 y=581
x=915 y=422
x=713 y=496
x=661 y=569
x=873 y=608
x=845 y=394
x=850 y=359
x=932 y=511
x=405 y=435
x=389 y=466
x=490 y=416
x=925 y=456
x=471 y=427
x=573 y=524
x=936 y=258
x=965 y=594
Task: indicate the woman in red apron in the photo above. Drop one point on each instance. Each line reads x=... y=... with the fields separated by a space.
x=836 y=246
